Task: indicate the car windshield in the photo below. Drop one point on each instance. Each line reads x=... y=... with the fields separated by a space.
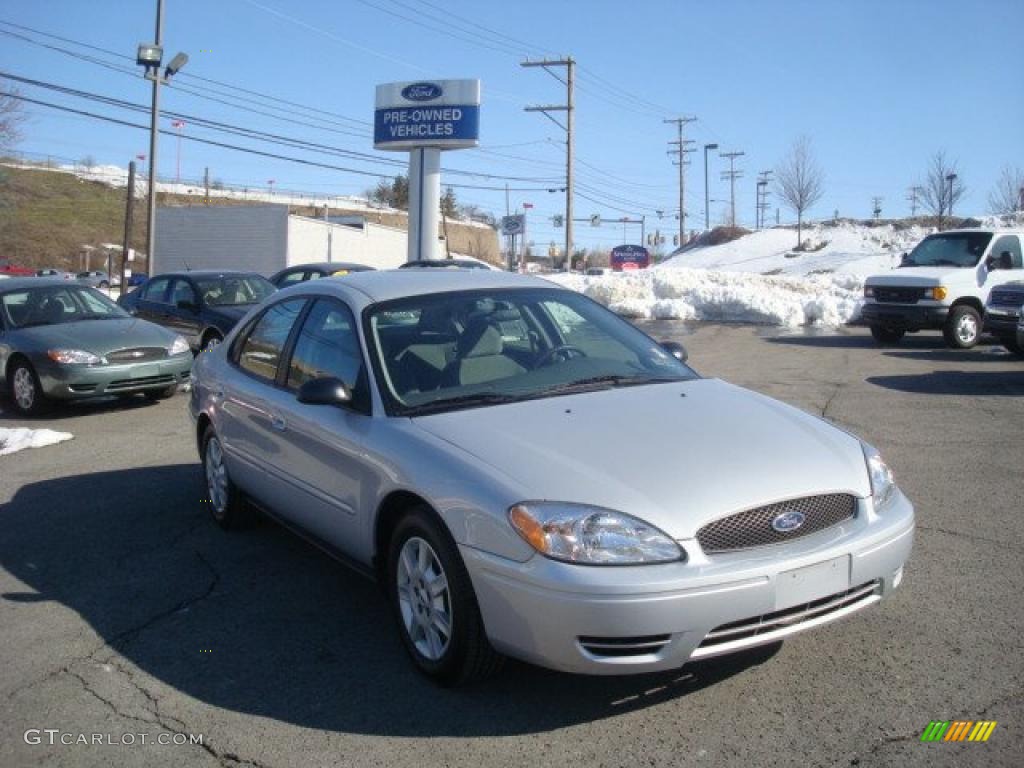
x=57 y=304
x=953 y=249
x=233 y=290
x=456 y=350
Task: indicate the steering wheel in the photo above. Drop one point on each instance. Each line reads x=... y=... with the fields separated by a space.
x=568 y=349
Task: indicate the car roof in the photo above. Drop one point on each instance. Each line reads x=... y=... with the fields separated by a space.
x=328 y=265
x=209 y=273
x=18 y=283
x=385 y=285
x=982 y=230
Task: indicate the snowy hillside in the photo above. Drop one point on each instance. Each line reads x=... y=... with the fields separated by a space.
x=758 y=278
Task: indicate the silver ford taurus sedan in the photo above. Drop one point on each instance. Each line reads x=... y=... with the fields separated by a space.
x=529 y=475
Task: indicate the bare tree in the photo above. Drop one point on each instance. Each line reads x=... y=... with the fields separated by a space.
x=12 y=115
x=1007 y=196
x=799 y=181
x=938 y=193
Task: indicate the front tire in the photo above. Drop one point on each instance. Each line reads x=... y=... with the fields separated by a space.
x=25 y=391
x=161 y=394
x=435 y=605
x=886 y=335
x=227 y=505
x=963 y=327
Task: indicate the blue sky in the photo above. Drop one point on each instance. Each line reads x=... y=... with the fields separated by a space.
x=877 y=86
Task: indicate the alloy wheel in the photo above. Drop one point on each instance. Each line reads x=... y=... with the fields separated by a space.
x=24 y=389
x=424 y=599
x=967 y=329
x=216 y=476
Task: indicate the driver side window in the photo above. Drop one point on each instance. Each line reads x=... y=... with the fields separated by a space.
x=183 y=291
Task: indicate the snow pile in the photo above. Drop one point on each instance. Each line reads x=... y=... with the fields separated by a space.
x=847 y=248
x=735 y=297
x=20 y=438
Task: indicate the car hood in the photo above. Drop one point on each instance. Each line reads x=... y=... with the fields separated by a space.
x=924 y=276
x=676 y=455
x=101 y=336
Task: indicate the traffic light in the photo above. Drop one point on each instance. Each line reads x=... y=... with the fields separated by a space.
x=558 y=219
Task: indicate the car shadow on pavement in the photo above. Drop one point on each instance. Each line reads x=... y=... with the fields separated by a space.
x=260 y=623
x=847 y=340
x=59 y=411
x=969 y=383
x=980 y=354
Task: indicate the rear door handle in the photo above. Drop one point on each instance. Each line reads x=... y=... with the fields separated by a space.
x=277 y=422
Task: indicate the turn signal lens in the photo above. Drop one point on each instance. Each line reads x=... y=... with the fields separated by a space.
x=529 y=529
x=939 y=293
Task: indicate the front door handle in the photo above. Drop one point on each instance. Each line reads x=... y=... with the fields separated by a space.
x=277 y=422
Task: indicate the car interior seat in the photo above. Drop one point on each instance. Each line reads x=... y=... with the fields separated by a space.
x=479 y=356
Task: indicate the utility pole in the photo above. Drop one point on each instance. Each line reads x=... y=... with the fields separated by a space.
x=681 y=150
x=912 y=197
x=764 y=177
x=731 y=175
x=206 y=183
x=129 y=206
x=876 y=207
x=154 y=131
x=570 y=124
x=707 y=196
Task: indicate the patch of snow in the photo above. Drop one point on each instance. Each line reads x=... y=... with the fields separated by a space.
x=20 y=438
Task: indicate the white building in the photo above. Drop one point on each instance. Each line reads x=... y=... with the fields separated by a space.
x=266 y=238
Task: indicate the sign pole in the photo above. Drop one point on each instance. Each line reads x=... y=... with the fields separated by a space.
x=424 y=202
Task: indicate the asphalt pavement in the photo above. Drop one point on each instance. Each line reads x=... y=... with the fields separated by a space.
x=125 y=612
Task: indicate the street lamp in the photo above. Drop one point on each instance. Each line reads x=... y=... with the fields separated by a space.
x=149 y=56
x=707 y=218
x=951 y=178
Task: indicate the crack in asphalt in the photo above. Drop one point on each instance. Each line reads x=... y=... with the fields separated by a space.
x=117 y=643
x=831 y=398
x=971 y=536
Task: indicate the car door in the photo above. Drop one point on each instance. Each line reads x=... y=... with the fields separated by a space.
x=152 y=302
x=249 y=426
x=183 y=315
x=322 y=446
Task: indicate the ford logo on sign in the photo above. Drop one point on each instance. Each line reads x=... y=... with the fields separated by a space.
x=422 y=92
x=788 y=521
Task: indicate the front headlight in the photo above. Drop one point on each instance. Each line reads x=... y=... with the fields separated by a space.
x=576 y=533
x=73 y=357
x=869 y=291
x=883 y=486
x=179 y=346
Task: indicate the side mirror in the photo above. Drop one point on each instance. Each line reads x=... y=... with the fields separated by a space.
x=187 y=305
x=677 y=350
x=326 y=390
x=1005 y=260
x=904 y=258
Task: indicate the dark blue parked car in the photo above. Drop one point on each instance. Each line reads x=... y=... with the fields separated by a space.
x=202 y=305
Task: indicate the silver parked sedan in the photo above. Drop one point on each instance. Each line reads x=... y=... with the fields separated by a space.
x=65 y=341
x=529 y=475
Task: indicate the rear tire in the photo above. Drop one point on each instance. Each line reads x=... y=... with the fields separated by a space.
x=434 y=603
x=886 y=335
x=227 y=504
x=25 y=391
x=963 y=327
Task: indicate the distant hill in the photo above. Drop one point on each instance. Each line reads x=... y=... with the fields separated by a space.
x=47 y=216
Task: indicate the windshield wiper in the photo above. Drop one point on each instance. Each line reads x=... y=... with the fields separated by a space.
x=446 y=403
x=604 y=382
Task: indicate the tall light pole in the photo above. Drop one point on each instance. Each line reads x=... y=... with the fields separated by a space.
x=570 y=124
x=178 y=125
x=149 y=57
x=707 y=198
x=951 y=178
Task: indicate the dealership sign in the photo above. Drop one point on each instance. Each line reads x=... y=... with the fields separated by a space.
x=430 y=113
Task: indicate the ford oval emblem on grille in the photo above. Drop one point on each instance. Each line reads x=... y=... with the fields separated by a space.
x=788 y=521
x=422 y=92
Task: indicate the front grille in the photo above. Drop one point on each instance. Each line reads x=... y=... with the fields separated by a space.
x=789 y=618
x=892 y=295
x=146 y=381
x=619 y=647
x=137 y=355
x=1006 y=298
x=753 y=527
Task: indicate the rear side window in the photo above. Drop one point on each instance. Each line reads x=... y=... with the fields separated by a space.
x=290 y=279
x=260 y=352
x=327 y=346
x=1010 y=244
x=155 y=290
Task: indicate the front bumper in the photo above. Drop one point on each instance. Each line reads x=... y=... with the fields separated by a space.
x=78 y=382
x=1001 y=321
x=904 y=317
x=617 y=620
